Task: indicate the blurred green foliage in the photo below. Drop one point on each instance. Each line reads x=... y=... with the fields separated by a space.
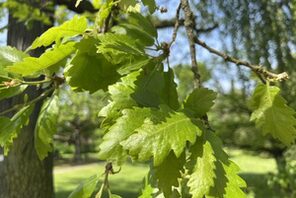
x=78 y=123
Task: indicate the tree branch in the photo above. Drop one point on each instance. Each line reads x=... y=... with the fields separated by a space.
x=189 y=24
x=159 y=24
x=166 y=23
x=176 y=26
x=84 y=6
x=258 y=69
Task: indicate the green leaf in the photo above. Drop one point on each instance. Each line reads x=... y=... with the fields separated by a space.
x=272 y=115
x=168 y=173
x=31 y=65
x=121 y=96
x=138 y=20
x=130 y=66
x=91 y=73
x=46 y=126
x=75 y=26
x=138 y=33
x=125 y=125
x=119 y=48
x=203 y=176
x=147 y=190
x=156 y=87
x=213 y=174
x=162 y=132
x=85 y=189
x=10 y=128
x=7 y=92
x=151 y=5
x=199 y=102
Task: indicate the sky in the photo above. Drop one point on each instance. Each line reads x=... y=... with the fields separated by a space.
x=180 y=50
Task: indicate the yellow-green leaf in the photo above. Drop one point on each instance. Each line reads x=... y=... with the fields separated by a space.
x=73 y=27
x=31 y=65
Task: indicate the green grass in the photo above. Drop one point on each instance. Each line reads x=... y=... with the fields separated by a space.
x=127 y=183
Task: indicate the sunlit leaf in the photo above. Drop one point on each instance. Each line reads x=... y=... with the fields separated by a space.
x=86 y=188
x=75 y=26
x=213 y=174
x=162 y=132
x=31 y=65
x=272 y=114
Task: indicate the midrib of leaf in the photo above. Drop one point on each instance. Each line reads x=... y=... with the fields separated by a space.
x=69 y=30
x=272 y=109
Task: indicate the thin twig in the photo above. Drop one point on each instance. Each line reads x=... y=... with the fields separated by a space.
x=18 y=106
x=176 y=27
x=258 y=69
x=189 y=24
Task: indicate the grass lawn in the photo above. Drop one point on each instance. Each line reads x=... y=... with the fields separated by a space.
x=128 y=182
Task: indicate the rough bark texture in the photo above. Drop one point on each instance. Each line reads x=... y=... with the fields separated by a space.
x=22 y=174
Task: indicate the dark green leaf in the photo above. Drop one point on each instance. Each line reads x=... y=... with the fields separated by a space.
x=118 y=48
x=151 y=5
x=91 y=73
x=156 y=87
x=168 y=173
x=138 y=20
x=7 y=92
x=199 y=102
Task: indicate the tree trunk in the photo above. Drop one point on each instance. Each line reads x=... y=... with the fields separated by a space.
x=23 y=175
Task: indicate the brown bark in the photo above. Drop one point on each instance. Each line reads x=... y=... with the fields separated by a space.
x=23 y=175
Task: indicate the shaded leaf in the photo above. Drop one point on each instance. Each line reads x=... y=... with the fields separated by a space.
x=168 y=173
x=46 y=126
x=7 y=92
x=156 y=87
x=119 y=48
x=151 y=5
x=91 y=73
x=138 y=20
x=10 y=128
x=199 y=102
